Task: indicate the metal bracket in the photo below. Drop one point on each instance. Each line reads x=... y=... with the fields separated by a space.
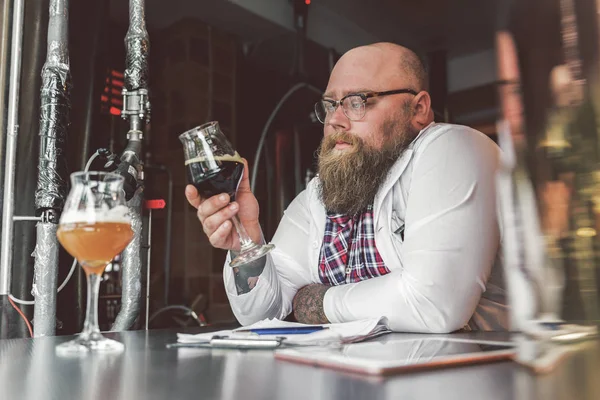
x=50 y=216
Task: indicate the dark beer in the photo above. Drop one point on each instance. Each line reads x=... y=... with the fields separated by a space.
x=223 y=177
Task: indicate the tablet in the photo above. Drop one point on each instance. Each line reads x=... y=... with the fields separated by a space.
x=389 y=356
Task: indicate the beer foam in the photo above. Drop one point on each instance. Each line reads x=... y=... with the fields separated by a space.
x=226 y=157
x=119 y=215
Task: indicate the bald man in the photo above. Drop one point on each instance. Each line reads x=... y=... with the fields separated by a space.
x=399 y=223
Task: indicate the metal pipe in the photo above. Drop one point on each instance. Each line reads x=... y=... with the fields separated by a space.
x=54 y=117
x=35 y=23
x=11 y=148
x=169 y=221
x=136 y=108
x=26 y=218
x=46 y=280
x=137 y=45
x=8 y=321
x=149 y=250
x=51 y=186
x=130 y=164
x=5 y=60
x=131 y=267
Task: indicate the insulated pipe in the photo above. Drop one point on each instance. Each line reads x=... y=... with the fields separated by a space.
x=137 y=46
x=45 y=280
x=136 y=108
x=12 y=129
x=51 y=188
x=54 y=113
x=131 y=267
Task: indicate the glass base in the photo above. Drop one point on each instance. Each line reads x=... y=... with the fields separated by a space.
x=252 y=254
x=559 y=331
x=94 y=342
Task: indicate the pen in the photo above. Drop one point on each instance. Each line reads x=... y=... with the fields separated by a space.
x=224 y=342
x=300 y=330
x=200 y=345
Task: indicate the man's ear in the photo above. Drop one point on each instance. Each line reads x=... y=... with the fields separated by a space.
x=421 y=106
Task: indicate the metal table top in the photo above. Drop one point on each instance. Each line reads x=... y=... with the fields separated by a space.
x=30 y=369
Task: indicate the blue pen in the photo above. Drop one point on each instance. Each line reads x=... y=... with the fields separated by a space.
x=285 y=331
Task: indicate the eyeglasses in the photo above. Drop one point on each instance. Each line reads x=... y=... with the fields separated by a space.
x=353 y=104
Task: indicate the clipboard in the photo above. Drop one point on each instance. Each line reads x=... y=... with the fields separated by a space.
x=403 y=355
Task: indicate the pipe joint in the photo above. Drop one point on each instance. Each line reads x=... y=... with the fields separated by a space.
x=50 y=216
x=136 y=104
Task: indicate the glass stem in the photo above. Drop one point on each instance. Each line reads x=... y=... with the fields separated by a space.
x=245 y=242
x=90 y=325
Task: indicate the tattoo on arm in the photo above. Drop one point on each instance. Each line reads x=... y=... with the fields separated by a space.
x=246 y=277
x=308 y=304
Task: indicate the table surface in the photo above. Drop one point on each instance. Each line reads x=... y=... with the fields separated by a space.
x=30 y=369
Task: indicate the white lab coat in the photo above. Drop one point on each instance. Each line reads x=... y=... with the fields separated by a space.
x=442 y=189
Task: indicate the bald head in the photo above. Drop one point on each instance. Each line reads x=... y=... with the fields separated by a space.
x=388 y=63
x=380 y=67
x=407 y=62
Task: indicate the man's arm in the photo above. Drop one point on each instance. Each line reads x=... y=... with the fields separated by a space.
x=267 y=290
x=308 y=304
x=450 y=242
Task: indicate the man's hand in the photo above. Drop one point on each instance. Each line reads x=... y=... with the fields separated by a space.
x=308 y=304
x=215 y=214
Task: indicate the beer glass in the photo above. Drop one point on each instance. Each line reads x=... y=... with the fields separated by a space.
x=94 y=227
x=214 y=167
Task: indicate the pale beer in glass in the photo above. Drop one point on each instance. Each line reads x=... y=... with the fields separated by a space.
x=94 y=227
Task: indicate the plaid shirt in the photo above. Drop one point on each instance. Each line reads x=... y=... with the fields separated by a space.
x=349 y=253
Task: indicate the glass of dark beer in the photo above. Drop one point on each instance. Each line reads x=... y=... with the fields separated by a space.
x=214 y=167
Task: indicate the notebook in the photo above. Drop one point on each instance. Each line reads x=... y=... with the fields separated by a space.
x=330 y=334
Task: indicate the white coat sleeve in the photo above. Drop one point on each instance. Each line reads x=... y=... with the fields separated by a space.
x=451 y=239
x=286 y=270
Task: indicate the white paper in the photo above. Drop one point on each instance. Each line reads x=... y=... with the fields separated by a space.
x=348 y=332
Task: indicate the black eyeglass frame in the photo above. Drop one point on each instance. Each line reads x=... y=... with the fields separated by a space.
x=364 y=96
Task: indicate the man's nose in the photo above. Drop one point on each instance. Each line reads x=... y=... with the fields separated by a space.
x=338 y=120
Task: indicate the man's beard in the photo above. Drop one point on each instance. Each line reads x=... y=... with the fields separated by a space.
x=350 y=179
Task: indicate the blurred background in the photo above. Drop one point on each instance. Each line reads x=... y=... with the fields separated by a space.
x=235 y=61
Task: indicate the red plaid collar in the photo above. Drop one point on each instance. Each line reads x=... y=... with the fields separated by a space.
x=349 y=253
x=340 y=219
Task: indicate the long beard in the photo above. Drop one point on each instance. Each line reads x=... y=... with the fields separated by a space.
x=350 y=179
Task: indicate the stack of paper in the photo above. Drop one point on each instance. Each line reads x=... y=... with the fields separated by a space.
x=348 y=332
